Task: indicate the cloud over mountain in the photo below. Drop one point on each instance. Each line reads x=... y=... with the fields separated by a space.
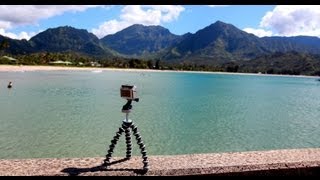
x=139 y=14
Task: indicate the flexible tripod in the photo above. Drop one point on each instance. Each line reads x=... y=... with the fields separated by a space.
x=126 y=125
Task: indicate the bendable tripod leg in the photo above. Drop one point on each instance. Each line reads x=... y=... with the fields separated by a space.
x=113 y=144
x=128 y=140
x=141 y=145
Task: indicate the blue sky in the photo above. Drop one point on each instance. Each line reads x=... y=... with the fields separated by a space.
x=262 y=20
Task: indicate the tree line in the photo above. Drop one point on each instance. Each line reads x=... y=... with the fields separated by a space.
x=291 y=63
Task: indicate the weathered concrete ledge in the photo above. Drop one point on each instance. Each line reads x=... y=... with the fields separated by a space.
x=274 y=162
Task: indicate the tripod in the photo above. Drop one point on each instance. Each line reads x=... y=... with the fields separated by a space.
x=126 y=125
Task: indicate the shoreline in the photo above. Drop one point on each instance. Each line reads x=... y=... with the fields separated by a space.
x=17 y=68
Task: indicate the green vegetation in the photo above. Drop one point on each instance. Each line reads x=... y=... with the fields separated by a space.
x=291 y=63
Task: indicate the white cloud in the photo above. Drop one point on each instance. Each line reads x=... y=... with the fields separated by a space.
x=293 y=20
x=21 y=35
x=5 y=24
x=168 y=12
x=137 y=14
x=258 y=32
x=218 y=5
x=110 y=27
x=13 y=15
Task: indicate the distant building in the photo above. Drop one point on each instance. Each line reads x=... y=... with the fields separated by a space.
x=96 y=64
x=60 y=63
x=10 y=58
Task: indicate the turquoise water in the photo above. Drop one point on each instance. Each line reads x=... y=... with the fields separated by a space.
x=76 y=113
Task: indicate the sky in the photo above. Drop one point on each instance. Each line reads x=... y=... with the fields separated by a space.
x=25 y=21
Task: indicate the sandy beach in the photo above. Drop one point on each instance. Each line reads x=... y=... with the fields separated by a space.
x=13 y=68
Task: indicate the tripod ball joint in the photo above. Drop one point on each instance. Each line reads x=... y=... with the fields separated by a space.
x=128 y=105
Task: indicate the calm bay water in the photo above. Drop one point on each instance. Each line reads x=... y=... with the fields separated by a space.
x=76 y=113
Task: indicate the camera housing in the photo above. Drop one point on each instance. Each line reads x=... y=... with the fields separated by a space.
x=128 y=92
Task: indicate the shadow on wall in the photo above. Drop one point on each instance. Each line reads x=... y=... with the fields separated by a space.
x=77 y=171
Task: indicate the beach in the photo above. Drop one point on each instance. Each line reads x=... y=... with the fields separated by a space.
x=21 y=68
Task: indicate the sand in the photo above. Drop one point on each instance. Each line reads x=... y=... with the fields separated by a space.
x=21 y=68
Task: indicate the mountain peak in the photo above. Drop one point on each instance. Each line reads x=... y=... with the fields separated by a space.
x=67 y=29
x=220 y=22
x=141 y=27
x=139 y=39
x=135 y=26
x=68 y=38
x=61 y=27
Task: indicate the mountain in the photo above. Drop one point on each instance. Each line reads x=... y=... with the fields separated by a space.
x=69 y=39
x=140 y=40
x=306 y=44
x=221 y=42
x=16 y=46
x=306 y=40
x=215 y=44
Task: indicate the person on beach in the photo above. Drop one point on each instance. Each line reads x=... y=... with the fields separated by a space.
x=10 y=85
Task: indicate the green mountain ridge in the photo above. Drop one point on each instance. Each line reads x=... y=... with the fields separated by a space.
x=140 y=40
x=216 y=44
x=66 y=38
x=221 y=42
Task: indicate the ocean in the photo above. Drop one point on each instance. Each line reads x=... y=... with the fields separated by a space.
x=59 y=114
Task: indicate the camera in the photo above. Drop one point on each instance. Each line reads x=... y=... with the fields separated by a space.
x=129 y=92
